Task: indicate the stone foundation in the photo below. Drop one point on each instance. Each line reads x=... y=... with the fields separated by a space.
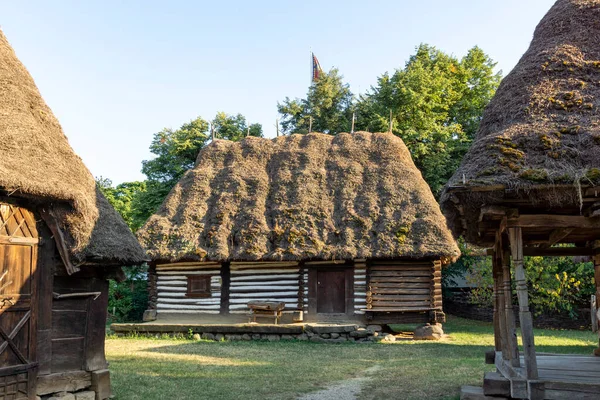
x=318 y=333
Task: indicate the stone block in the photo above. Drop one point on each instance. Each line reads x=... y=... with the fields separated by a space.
x=389 y=338
x=303 y=337
x=256 y=336
x=101 y=384
x=246 y=336
x=287 y=337
x=86 y=395
x=428 y=332
x=360 y=333
x=219 y=337
x=208 y=336
x=325 y=335
x=335 y=335
x=273 y=338
x=374 y=328
x=149 y=315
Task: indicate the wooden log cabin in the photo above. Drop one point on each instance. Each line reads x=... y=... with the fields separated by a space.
x=530 y=186
x=337 y=228
x=60 y=241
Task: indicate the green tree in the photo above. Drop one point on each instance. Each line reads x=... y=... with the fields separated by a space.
x=124 y=198
x=328 y=102
x=234 y=127
x=436 y=102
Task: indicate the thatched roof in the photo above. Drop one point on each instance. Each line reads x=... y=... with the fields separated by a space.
x=542 y=128
x=37 y=163
x=300 y=197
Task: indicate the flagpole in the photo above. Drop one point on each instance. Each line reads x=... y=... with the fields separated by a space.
x=311 y=66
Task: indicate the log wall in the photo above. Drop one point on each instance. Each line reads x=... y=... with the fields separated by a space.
x=276 y=281
x=172 y=288
x=403 y=286
x=360 y=286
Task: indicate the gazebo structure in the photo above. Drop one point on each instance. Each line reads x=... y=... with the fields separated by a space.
x=331 y=228
x=60 y=242
x=530 y=186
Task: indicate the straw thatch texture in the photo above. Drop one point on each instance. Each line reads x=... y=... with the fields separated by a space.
x=300 y=197
x=543 y=125
x=37 y=162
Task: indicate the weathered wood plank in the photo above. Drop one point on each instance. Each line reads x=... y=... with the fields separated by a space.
x=63 y=382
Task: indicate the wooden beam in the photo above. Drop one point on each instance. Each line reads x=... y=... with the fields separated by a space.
x=59 y=239
x=516 y=248
x=556 y=236
x=553 y=221
x=557 y=251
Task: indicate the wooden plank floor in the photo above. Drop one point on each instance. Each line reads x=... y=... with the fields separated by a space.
x=568 y=368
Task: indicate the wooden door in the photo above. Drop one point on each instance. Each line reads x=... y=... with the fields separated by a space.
x=331 y=291
x=18 y=256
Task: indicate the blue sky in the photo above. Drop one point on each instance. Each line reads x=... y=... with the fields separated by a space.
x=116 y=72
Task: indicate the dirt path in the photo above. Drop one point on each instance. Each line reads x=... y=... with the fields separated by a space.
x=343 y=390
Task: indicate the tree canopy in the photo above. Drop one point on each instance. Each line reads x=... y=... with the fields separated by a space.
x=328 y=102
x=436 y=102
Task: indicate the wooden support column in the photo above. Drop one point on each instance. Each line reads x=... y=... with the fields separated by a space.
x=498 y=298
x=596 y=259
x=509 y=315
x=516 y=247
x=225 y=287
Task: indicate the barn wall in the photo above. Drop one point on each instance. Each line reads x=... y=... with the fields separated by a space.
x=78 y=324
x=403 y=286
x=172 y=287
x=276 y=281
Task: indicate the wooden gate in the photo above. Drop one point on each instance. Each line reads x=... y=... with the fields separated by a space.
x=18 y=257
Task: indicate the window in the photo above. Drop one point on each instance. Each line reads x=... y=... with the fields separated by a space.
x=198 y=286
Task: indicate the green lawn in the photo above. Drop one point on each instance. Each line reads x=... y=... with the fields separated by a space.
x=181 y=369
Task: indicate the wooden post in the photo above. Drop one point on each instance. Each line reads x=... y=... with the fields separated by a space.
x=225 y=287
x=310 y=124
x=500 y=338
x=596 y=259
x=391 y=122
x=277 y=126
x=509 y=315
x=516 y=247
x=353 y=117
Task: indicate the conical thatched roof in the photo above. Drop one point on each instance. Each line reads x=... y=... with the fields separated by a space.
x=300 y=197
x=542 y=128
x=37 y=163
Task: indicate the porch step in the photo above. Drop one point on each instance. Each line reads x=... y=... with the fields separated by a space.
x=494 y=384
x=476 y=393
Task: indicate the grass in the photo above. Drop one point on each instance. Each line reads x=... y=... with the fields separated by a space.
x=149 y=369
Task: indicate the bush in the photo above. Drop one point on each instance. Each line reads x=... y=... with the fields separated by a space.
x=128 y=300
x=555 y=284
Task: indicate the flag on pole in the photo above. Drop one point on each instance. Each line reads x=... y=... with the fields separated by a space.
x=316 y=68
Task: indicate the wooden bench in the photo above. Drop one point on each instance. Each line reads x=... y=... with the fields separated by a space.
x=266 y=309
